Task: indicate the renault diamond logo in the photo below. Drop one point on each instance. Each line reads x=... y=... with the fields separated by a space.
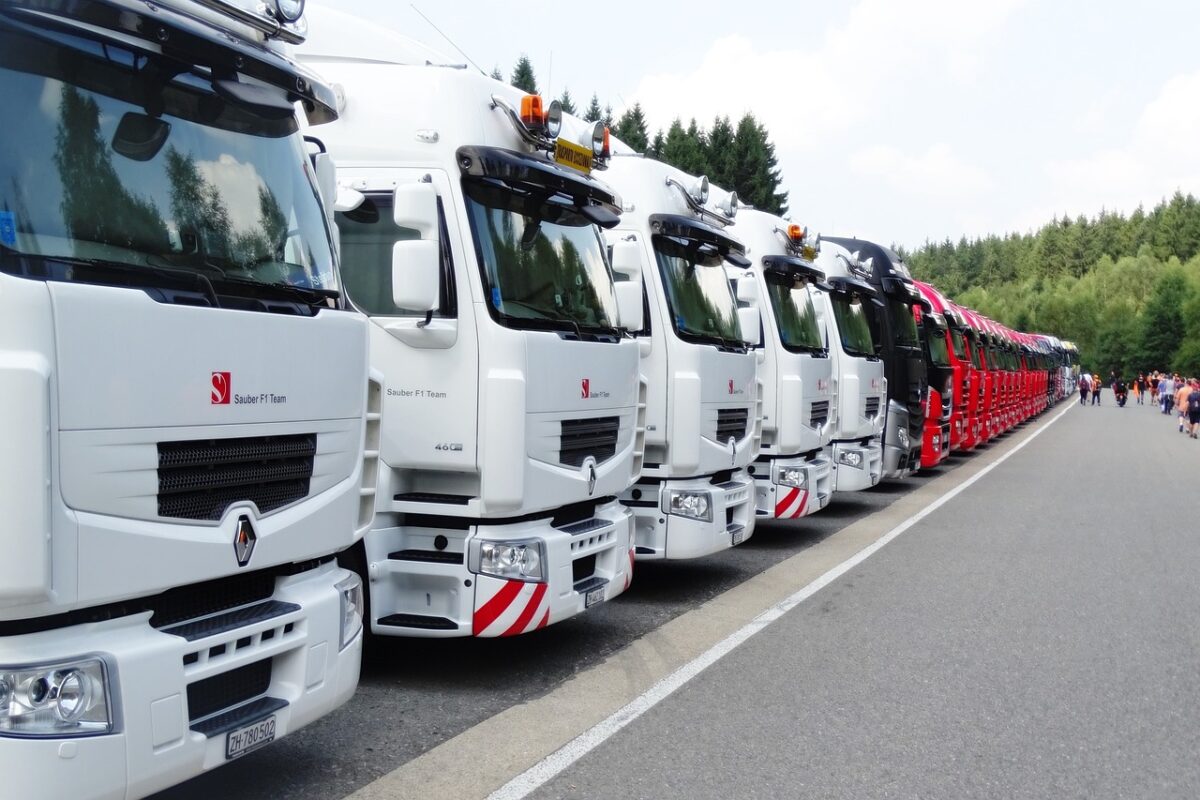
x=732 y=450
x=243 y=541
x=591 y=479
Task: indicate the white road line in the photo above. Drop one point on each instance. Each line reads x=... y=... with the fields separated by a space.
x=553 y=764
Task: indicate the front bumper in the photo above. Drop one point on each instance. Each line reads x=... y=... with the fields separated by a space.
x=847 y=478
x=936 y=446
x=775 y=500
x=659 y=535
x=157 y=744
x=421 y=589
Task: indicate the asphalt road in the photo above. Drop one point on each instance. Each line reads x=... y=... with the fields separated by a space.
x=416 y=694
x=1036 y=636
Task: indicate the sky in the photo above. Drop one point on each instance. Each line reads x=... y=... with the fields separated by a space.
x=899 y=122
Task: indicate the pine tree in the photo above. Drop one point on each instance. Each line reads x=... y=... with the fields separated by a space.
x=656 y=146
x=523 y=77
x=607 y=119
x=755 y=169
x=497 y=74
x=719 y=153
x=1162 y=322
x=593 y=113
x=682 y=148
x=568 y=105
x=631 y=129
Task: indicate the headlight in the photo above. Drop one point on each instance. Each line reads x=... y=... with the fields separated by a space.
x=350 y=591
x=902 y=435
x=796 y=477
x=60 y=700
x=851 y=458
x=289 y=10
x=690 y=504
x=554 y=116
x=598 y=139
x=522 y=561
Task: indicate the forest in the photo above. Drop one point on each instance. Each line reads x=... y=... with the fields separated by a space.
x=1124 y=288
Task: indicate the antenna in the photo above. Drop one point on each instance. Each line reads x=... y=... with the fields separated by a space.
x=447 y=38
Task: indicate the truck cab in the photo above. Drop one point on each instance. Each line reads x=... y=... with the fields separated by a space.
x=848 y=313
x=695 y=496
x=185 y=393
x=793 y=474
x=939 y=407
x=513 y=416
x=901 y=350
x=959 y=367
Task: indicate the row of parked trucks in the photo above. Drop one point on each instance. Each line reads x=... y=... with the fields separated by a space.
x=455 y=385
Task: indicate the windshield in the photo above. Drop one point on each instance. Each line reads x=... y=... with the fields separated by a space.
x=960 y=344
x=543 y=264
x=905 y=325
x=854 y=324
x=698 y=293
x=939 y=350
x=200 y=186
x=977 y=352
x=795 y=316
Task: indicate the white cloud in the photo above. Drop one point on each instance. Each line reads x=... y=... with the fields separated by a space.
x=1160 y=156
x=238 y=184
x=936 y=173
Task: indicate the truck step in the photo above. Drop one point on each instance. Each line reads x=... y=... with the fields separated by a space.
x=231 y=620
x=427 y=556
x=418 y=621
x=430 y=497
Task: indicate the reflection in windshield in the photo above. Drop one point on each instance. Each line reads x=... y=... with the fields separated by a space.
x=905 y=325
x=939 y=350
x=853 y=324
x=794 y=312
x=541 y=260
x=231 y=197
x=698 y=291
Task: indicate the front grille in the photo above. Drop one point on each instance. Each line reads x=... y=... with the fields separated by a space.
x=819 y=415
x=205 y=599
x=228 y=689
x=200 y=479
x=581 y=438
x=872 y=409
x=947 y=406
x=732 y=423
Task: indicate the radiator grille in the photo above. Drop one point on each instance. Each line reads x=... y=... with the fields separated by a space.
x=872 y=408
x=581 y=438
x=212 y=597
x=819 y=415
x=947 y=406
x=228 y=689
x=732 y=423
x=200 y=479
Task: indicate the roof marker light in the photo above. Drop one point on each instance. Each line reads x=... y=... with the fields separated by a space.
x=532 y=113
x=699 y=190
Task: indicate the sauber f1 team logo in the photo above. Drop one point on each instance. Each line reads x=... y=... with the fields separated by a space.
x=731 y=385
x=221 y=389
x=585 y=388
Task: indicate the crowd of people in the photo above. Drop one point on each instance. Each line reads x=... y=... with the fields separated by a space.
x=1169 y=392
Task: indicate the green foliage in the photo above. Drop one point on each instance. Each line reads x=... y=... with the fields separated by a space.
x=1126 y=289
x=683 y=149
x=593 y=112
x=497 y=74
x=631 y=129
x=568 y=105
x=523 y=77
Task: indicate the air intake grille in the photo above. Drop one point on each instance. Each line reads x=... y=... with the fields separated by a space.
x=228 y=689
x=947 y=405
x=732 y=423
x=581 y=438
x=200 y=479
x=820 y=414
x=872 y=408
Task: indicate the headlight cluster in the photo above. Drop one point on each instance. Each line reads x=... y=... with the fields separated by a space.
x=690 y=504
x=353 y=607
x=59 y=700
x=796 y=477
x=851 y=458
x=289 y=10
x=902 y=435
x=522 y=561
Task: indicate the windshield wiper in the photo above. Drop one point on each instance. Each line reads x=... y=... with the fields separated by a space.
x=541 y=323
x=300 y=294
x=168 y=278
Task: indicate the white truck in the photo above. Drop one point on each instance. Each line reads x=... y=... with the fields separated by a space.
x=793 y=475
x=704 y=407
x=513 y=413
x=848 y=311
x=184 y=397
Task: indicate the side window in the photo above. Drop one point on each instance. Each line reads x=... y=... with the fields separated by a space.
x=367 y=235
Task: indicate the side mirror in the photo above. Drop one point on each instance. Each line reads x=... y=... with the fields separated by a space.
x=326 y=173
x=750 y=320
x=629 y=304
x=627 y=261
x=416 y=274
x=747 y=289
x=414 y=206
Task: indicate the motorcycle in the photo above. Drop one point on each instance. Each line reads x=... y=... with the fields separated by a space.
x=1121 y=393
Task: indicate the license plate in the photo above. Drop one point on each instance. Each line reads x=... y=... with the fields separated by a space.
x=739 y=535
x=251 y=737
x=593 y=597
x=577 y=157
